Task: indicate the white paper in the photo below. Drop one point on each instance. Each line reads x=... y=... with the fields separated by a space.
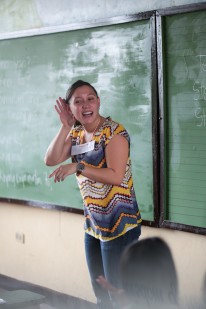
x=82 y=148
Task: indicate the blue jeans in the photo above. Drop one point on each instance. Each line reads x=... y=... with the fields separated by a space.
x=103 y=259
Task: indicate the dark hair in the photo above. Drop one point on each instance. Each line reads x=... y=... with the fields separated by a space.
x=147 y=269
x=74 y=86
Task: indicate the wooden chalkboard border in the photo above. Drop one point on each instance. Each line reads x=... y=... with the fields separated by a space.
x=159 y=27
x=149 y=15
x=77 y=26
x=181 y=9
x=43 y=205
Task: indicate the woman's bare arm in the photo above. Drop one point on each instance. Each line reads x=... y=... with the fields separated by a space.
x=117 y=152
x=60 y=147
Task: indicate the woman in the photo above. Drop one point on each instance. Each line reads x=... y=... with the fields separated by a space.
x=99 y=148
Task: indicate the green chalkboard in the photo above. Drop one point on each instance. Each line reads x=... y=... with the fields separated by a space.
x=185 y=84
x=36 y=70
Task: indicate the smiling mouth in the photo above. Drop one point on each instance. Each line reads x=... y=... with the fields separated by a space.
x=87 y=114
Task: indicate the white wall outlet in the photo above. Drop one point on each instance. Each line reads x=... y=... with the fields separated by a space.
x=20 y=237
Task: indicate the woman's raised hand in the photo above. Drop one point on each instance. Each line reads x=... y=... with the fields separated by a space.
x=66 y=117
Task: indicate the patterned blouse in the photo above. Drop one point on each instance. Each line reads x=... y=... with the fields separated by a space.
x=110 y=210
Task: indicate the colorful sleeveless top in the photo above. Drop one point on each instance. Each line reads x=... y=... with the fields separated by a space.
x=110 y=211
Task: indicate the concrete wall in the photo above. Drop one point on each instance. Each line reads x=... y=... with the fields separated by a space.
x=52 y=254
x=28 y=14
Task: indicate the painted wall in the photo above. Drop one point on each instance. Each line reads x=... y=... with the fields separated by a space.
x=52 y=254
x=28 y=14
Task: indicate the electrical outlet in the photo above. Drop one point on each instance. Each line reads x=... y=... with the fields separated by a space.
x=20 y=237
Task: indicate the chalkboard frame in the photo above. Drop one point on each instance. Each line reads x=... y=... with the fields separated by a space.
x=155 y=140
x=160 y=14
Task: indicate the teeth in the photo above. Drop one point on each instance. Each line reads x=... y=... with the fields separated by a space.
x=87 y=113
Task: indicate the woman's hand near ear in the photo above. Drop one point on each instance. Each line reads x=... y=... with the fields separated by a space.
x=60 y=147
x=66 y=117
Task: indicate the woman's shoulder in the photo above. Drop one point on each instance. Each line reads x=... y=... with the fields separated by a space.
x=112 y=128
x=112 y=124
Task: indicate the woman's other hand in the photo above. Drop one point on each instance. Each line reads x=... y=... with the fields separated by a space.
x=63 y=171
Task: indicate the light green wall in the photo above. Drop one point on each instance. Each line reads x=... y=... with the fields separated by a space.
x=29 y=14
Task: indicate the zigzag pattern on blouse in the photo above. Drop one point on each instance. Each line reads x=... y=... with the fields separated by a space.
x=109 y=210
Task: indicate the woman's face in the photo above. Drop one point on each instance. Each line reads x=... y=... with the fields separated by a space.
x=85 y=105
